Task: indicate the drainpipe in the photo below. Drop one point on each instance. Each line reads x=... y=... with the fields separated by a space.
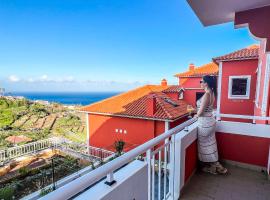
x=268 y=96
x=219 y=90
x=87 y=131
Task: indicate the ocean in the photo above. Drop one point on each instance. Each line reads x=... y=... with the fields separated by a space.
x=67 y=98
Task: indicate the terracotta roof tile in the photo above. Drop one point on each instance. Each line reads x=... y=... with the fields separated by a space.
x=173 y=88
x=134 y=104
x=18 y=139
x=210 y=68
x=250 y=52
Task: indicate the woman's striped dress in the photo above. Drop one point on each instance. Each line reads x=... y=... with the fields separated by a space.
x=207 y=144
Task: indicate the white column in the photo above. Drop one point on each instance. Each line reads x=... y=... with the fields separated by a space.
x=268 y=166
x=258 y=83
x=167 y=126
x=87 y=131
x=266 y=86
x=148 y=157
x=172 y=167
x=219 y=90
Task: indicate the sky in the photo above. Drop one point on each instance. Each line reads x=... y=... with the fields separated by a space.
x=104 y=45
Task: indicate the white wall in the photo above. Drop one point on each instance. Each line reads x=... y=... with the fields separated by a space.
x=131 y=184
x=183 y=139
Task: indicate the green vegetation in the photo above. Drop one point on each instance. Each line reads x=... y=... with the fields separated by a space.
x=39 y=110
x=23 y=171
x=38 y=121
x=45 y=191
x=6 y=192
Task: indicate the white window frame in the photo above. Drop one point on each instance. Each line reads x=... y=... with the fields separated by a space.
x=181 y=95
x=230 y=96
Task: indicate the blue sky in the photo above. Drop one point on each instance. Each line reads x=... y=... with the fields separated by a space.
x=99 y=45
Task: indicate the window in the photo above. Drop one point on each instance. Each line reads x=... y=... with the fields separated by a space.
x=181 y=94
x=170 y=102
x=239 y=87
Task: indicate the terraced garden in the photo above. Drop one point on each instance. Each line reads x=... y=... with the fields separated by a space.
x=38 y=121
x=36 y=172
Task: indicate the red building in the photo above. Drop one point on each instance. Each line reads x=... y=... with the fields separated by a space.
x=238 y=84
x=189 y=81
x=152 y=109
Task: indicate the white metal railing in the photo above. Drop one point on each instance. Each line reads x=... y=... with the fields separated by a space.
x=56 y=143
x=33 y=147
x=251 y=117
x=154 y=149
x=85 y=151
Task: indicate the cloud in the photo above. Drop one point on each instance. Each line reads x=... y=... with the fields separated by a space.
x=66 y=79
x=66 y=83
x=30 y=80
x=44 y=78
x=13 y=78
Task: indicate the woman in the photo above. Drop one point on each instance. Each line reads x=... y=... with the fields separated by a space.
x=207 y=145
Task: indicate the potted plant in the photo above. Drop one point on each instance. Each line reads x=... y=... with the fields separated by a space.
x=119 y=146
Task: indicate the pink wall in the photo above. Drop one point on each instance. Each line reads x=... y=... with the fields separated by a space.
x=192 y=82
x=238 y=106
x=191 y=160
x=178 y=122
x=103 y=135
x=190 y=94
x=257 y=22
x=245 y=149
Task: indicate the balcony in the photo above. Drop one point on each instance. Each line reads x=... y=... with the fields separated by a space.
x=166 y=168
x=240 y=183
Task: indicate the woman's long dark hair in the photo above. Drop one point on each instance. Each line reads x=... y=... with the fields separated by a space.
x=211 y=82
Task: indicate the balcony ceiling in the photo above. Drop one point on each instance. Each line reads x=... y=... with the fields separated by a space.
x=211 y=12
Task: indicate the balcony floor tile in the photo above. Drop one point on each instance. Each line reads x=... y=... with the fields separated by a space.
x=239 y=184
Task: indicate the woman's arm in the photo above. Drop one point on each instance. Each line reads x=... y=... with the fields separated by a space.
x=205 y=102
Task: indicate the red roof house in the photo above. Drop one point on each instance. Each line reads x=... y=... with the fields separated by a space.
x=238 y=73
x=16 y=139
x=189 y=81
x=152 y=109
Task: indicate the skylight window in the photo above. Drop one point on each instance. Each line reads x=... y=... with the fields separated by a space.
x=170 y=102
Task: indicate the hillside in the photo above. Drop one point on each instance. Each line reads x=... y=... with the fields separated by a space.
x=39 y=121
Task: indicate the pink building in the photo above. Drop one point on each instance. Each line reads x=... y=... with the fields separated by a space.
x=189 y=81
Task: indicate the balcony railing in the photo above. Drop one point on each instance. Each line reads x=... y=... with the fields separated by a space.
x=26 y=149
x=160 y=157
x=163 y=161
x=78 y=150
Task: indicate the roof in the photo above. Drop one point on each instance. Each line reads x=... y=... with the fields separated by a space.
x=211 y=12
x=250 y=52
x=173 y=88
x=18 y=139
x=207 y=69
x=134 y=104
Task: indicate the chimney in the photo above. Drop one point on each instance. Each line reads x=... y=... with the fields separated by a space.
x=164 y=82
x=191 y=67
x=151 y=105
